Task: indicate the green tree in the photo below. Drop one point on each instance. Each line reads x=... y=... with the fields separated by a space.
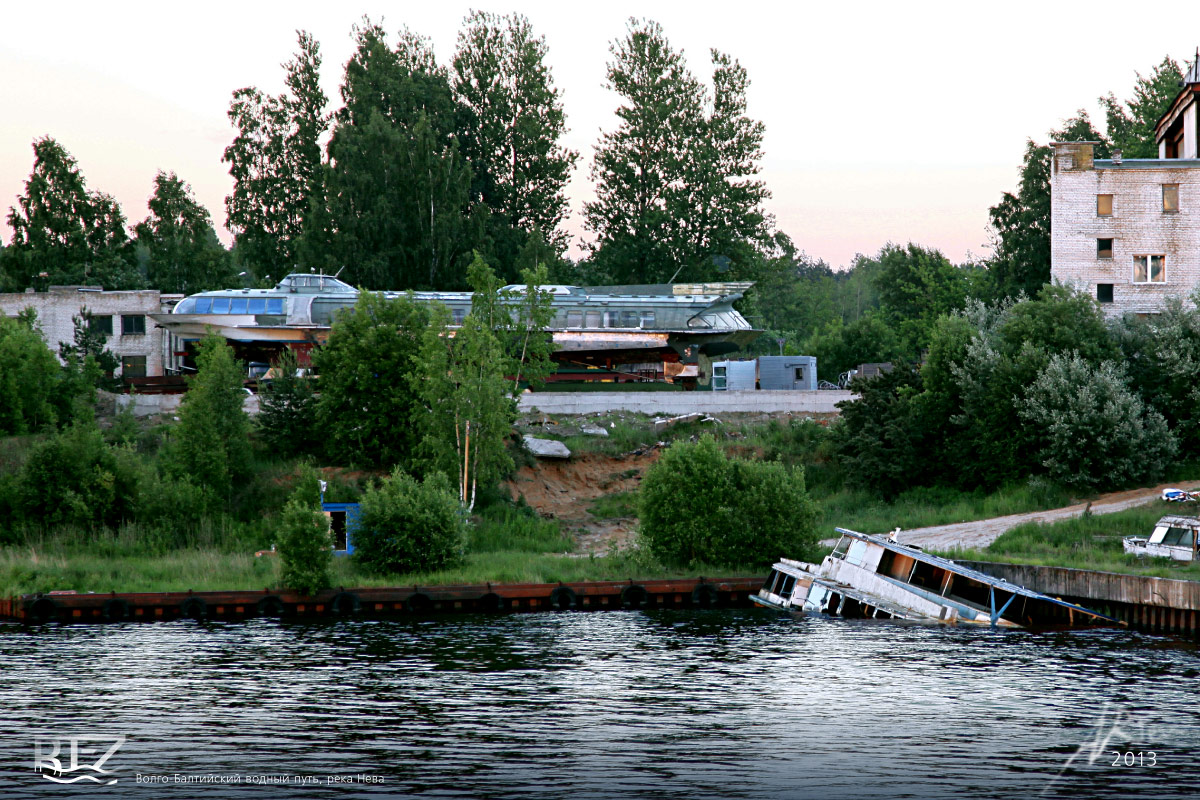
x=183 y=253
x=210 y=446
x=511 y=125
x=287 y=415
x=1094 y=432
x=88 y=358
x=275 y=161
x=752 y=512
x=397 y=187
x=639 y=168
x=406 y=526
x=305 y=545
x=367 y=390
x=466 y=409
x=1131 y=125
x=917 y=285
x=64 y=234
x=29 y=377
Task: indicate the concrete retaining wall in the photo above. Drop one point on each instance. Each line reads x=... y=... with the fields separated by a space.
x=146 y=405
x=1106 y=586
x=673 y=403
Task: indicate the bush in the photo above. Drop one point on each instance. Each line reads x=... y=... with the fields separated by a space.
x=698 y=506
x=305 y=547
x=1094 y=432
x=75 y=478
x=405 y=526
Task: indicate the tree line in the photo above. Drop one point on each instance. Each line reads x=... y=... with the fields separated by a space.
x=425 y=163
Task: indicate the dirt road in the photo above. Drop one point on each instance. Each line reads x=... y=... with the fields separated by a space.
x=983 y=532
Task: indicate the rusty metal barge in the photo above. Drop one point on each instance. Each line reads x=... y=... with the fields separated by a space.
x=382 y=602
x=875 y=577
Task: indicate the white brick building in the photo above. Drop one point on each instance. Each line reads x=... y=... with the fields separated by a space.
x=143 y=348
x=1128 y=230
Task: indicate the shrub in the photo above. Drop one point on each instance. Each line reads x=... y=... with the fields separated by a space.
x=406 y=526
x=75 y=478
x=698 y=506
x=1094 y=432
x=305 y=547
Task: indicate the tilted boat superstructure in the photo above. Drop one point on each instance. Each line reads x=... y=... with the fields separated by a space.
x=875 y=577
x=647 y=331
x=1173 y=537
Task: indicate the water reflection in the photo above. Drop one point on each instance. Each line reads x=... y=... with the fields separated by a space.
x=655 y=704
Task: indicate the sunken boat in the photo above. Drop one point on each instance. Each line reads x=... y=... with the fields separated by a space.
x=875 y=577
x=1173 y=537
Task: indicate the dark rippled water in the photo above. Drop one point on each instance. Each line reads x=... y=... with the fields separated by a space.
x=721 y=704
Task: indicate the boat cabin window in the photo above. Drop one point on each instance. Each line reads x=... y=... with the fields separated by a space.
x=460 y=314
x=186 y=306
x=258 y=305
x=647 y=319
x=1178 y=536
x=275 y=305
x=220 y=305
x=856 y=552
x=630 y=319
x=592 y=319
x=238 y=305
x=204 y=305
x=842 y=546
x=575 y=319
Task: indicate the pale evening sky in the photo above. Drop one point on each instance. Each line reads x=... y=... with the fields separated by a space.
x=884 y=121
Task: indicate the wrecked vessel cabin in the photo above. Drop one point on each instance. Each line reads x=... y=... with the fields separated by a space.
x=1173 y=537
x=625 y=333
x=873 y=577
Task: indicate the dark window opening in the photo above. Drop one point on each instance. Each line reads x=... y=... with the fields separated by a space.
x=133 y=366
x=133 y=324
x=1104 y=248
x=101 y=324
x=799 y=373
x=337 y=524
x=1104 y=292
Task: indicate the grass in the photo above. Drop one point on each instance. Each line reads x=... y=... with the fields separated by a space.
x=1092 y=542
x=613 y=506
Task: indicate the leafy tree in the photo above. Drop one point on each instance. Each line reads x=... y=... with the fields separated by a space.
x=1161 y=355
x=397 y=187
x=675 y=191
x=366 y=386
x=466 y=409
x=839 y=347
x=305 y=546
x=75 y=478
x=406 y=526
x=64 y=234
x=210 y=446
x=183 y=252
x=287 y=416
x=1131 y=125
x=917 y=285
x=275 y=161
x=754 y=512
x=29 y=377
x=87 y=360
x=512 y=123
x=1092 y=430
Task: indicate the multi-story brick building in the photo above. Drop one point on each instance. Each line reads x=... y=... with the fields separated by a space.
x=143 y=348
x=1128 y=230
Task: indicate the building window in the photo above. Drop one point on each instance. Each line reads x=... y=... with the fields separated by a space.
x=133 y=366
x=101 y=323
x=1170 y=198
x=1149 y=269
x=1104 y=292
x=133 y=324
x=1104 y=248
x=1104 y=205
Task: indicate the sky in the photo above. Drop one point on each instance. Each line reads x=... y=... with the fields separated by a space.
x=885 y=122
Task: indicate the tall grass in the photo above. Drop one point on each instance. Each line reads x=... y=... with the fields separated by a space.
x=1089 y=542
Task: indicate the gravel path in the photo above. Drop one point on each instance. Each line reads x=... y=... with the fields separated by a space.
x=983 y=532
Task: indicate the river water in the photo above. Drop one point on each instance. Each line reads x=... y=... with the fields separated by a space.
x=663 y=704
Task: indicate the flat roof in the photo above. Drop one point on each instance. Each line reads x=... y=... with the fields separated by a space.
x=1147 y=163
